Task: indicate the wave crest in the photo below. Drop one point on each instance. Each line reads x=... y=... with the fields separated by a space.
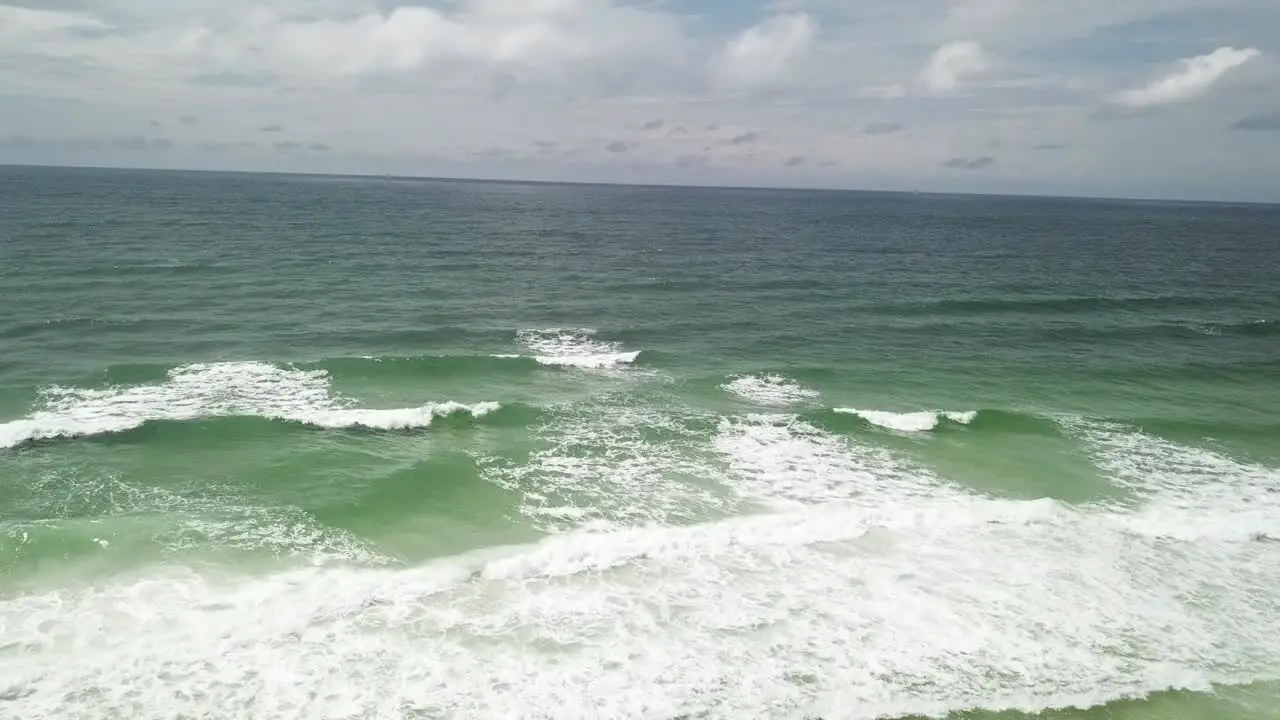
x=734 y=617
x=206 y=390
x=769 y=389
x=574 y=347
x=919 y=421
x=598 y=360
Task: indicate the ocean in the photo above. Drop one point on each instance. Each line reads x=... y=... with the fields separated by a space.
x=329 y=447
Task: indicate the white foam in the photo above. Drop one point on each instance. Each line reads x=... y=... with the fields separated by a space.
x=920 y=421
x=769 y=389
x=563 y=341
x=879 y=591
x=621 y=465
x=600 y=360
x=395 y=418
x=784 y=461
x=586 y=552
x=574 y=347
x=1183 y=492
x=213 y=390
x=208 y=519
x=839 y=611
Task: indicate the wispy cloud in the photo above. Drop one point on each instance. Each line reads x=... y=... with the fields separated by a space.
x=219 y=146
x=535 y=36
x=762 y=54
x=1264 y=121
x=15 y=19
x=962 y=163
x=882 y=128
x=951 y=64
x=1194 y=76
x=138 y=143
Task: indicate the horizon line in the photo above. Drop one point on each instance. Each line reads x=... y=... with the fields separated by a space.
x=654 y=185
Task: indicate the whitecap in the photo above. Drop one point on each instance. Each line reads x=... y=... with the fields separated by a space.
x=206 y=390
x=769 y=389
x=909 y=422
x=574 y=347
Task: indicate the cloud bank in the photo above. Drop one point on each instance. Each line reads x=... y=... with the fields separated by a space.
x=874 y=94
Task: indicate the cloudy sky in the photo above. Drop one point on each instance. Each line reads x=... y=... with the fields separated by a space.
x=1147 y=98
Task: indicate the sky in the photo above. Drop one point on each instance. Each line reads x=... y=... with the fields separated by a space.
x=1129 y=98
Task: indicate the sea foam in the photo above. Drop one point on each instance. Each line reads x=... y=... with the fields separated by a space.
x=214 y=390
x=919 y=421
x=574 y=347
x=908 y=596
x=769 y=389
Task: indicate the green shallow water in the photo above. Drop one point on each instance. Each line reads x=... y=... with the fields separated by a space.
x=287 y=447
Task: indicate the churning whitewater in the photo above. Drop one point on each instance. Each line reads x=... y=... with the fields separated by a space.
x=725 y=567
x=359 y=449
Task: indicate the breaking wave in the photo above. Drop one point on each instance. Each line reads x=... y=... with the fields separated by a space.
x=574 y=347
x=201 y=391
x=918 y=421
x=769 y=389
x=953 y=601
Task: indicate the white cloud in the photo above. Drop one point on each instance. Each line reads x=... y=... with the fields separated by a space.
x=1196 y=75
x=19 y=20
x=316 y=43
x=761 y=54
x=526 y=9
x=493 y=34
x=413 y=37
x=951 y=64
x=488 y=84
x=404 y=39
x=1021 y=24
x=884 y=92
x=975 y=14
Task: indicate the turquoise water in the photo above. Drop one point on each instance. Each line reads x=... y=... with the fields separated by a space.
x=287 y=447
